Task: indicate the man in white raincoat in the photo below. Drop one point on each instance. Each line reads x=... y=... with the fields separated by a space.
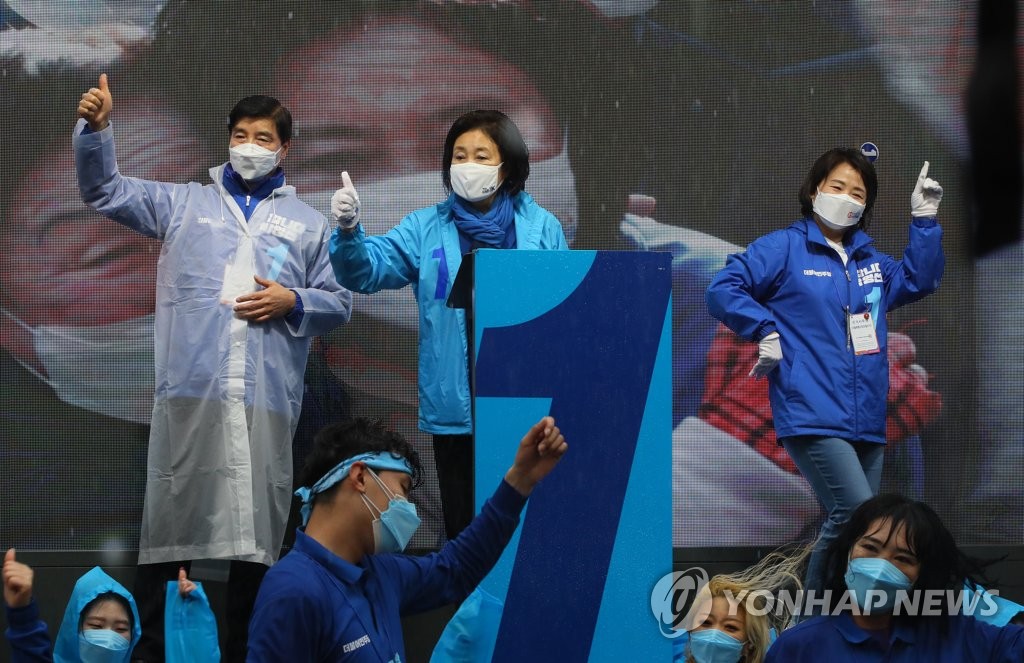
x=243 y=284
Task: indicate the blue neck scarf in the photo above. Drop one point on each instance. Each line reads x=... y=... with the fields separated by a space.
x=246 y=197
x=495 y=228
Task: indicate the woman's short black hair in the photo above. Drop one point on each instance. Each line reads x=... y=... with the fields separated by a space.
x=515 y=156
x=107 y=597
x=260 y=106
x=340 y=441
x=943 y=566
x=824 y=165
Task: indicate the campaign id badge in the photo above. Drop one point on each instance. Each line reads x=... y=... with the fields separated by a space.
x=862 y=333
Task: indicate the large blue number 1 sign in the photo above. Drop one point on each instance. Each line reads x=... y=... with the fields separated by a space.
x=584 y=336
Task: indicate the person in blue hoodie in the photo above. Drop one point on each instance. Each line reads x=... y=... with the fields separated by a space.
x=814 y=297
x=101 y=622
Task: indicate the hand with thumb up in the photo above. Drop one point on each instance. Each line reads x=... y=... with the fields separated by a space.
x=345 y=204
x=96 y=104
x=17 y=581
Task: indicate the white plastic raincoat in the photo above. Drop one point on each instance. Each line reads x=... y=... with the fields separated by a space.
x=228 y=392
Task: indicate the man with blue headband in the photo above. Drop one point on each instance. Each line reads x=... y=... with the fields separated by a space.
x=341 y=592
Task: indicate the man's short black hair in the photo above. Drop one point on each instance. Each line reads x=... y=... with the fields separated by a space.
x=260 y=106
x=339 y=441
x=515 y=156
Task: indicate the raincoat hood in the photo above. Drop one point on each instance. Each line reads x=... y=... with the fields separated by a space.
x=88 y=587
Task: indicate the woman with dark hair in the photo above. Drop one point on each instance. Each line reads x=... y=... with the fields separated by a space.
x=814 y=297
x=484 y=167
x=893 y=572
x=101 y=622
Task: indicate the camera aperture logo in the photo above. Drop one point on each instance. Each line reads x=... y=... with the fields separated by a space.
x=673 y=601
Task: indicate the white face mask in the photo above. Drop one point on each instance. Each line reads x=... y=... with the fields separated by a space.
x=386 y=202
x=837 y=210
x=252 y=161
x=105 y=368
x=474 y=181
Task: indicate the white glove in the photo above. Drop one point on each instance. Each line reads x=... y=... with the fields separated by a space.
x=345 y=204
x=927 y=194
x=769 y=354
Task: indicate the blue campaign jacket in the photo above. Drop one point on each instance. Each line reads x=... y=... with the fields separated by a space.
x=791 y=281
x=953 y=639
x=423 y=250
x=315 y=606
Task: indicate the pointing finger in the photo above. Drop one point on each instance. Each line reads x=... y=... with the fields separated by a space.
x=924 y=171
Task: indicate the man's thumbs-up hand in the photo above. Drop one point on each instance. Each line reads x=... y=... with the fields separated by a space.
x=96 y=104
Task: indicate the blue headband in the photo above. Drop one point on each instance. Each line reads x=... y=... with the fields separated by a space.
x=377 y=460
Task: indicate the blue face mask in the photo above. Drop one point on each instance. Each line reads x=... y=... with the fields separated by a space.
x=714 y=646
x=102 y=646
x=875 y=583
x=395 y=525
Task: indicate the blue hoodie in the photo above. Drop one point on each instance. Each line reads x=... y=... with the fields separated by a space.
x=28 y=636
x=792 y=282
x=88 y=587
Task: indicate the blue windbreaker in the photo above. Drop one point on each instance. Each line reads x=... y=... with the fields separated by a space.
x=423 y=250
x=791 y=281
x=952 y=639
x=315 y=606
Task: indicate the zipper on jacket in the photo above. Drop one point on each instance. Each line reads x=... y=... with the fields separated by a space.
x=849 y=343
x=258 y=203
x=849 y=339
x=848 y=333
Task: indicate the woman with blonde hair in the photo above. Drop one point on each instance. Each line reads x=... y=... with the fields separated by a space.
x=736 y=616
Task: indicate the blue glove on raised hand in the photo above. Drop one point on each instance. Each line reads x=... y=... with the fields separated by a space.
x=927 y=194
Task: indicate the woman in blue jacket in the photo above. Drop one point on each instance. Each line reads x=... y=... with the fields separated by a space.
x=485 y=164
x=814 y=297
x=899 y=590
x=101 y=622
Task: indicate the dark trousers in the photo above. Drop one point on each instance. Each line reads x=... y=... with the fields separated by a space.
x=453 y=458
x=150 y=594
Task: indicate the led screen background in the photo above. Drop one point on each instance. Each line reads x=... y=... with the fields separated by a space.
x=678 y=126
